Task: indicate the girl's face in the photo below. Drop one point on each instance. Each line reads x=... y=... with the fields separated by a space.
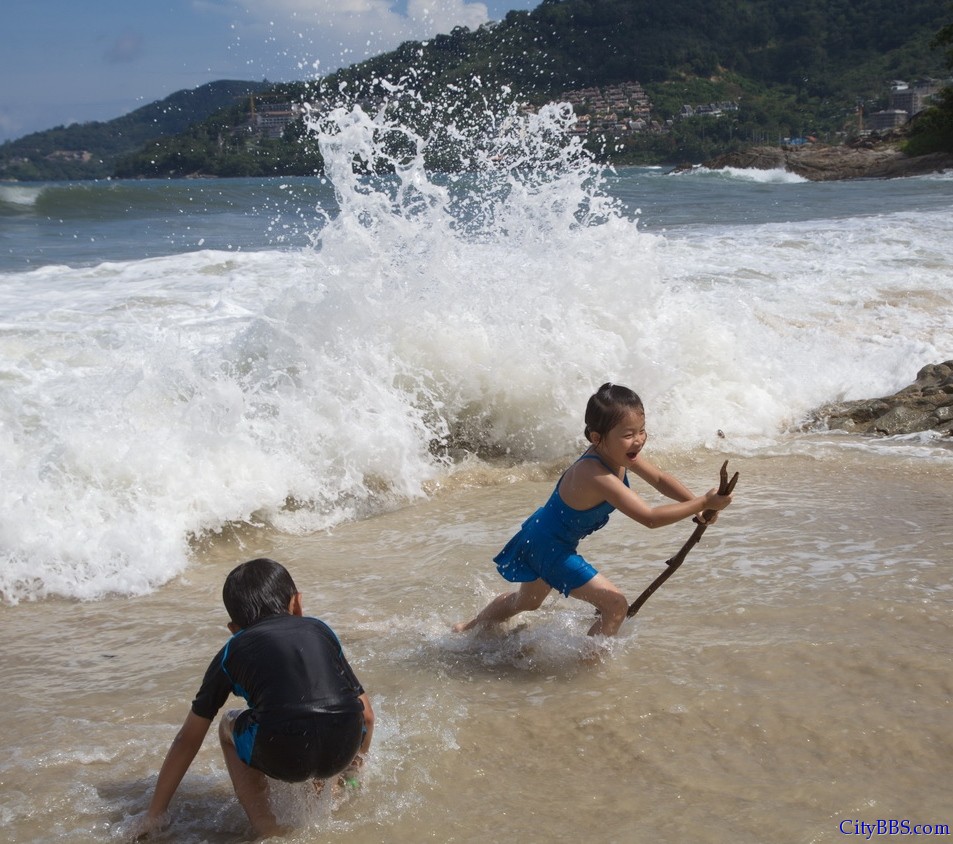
x=621 y=446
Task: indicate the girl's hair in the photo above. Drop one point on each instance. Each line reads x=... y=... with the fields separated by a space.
x=607 y=406
x=256 y=590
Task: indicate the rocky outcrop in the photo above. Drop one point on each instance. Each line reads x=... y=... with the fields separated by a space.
x=927 y=404
x=820 y=163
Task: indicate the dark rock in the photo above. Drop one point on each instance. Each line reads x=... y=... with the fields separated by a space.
x=820 y=163
x=924 y=405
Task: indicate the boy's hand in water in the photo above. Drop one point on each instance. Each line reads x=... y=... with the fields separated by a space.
x=144 y=826
x=350 y=777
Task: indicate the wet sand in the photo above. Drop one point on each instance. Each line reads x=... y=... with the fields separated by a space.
x=795 y=674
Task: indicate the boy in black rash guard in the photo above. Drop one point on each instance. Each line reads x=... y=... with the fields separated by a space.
x=308 y=716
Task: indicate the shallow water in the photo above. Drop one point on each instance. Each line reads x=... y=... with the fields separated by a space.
x=793 y=674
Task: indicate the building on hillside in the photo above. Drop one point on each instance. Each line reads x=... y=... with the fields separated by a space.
x=914 y=98
x=884 y=121
x=81 y=156
x=271 y=119
x=707 y=109
x=905 y=101
x=615 y=110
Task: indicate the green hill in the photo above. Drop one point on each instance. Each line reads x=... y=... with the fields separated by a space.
x=791 y=68
x=817 y=48
x=90 y=150
x=231 y=142
x=753 y=71
x=713 y=76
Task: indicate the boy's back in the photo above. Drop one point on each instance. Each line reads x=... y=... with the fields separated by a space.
x=285 y=666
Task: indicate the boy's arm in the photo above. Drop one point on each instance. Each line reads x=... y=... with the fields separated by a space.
x=368 y=724
x=351 y=774
x=181 y=753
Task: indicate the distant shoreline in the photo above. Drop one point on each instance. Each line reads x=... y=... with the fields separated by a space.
x=814 y=162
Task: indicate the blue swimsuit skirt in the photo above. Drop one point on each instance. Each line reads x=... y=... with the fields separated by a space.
x=545 y=547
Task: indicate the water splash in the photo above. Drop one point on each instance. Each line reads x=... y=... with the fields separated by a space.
x=153 y=403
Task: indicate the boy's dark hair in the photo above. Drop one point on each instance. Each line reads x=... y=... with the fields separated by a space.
x=257 y=589
x=607 y=406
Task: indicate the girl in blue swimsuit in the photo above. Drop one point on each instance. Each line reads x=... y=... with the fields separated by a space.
x=542 y=556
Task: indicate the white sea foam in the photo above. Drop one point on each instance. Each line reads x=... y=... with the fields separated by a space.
x=19 y=196
x=941 y=176
x=777 y=175
x=146 y=403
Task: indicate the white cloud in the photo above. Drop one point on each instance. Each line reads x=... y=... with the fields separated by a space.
x=331 y=33
x=444 y=15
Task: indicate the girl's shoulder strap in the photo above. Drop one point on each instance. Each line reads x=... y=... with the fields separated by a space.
x=592 y=456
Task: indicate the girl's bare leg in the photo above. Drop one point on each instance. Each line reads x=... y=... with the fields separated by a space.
x=610 y=602
x=251 y=786
x=528 y=597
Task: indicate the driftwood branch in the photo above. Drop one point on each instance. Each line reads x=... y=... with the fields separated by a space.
x=725 y=487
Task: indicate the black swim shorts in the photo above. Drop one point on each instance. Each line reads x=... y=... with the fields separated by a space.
x=316 y=746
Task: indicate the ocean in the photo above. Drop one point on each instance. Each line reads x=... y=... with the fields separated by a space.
x=375 y=380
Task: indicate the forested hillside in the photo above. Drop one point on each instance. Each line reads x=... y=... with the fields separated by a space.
x=805 y=68
x=784 y=69
x=819 y=48
x=89 y=150
x=793 y=68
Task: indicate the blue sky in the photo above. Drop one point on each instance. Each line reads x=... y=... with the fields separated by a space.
x=63 y=61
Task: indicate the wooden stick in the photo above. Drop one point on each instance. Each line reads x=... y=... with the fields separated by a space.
x=724 y=488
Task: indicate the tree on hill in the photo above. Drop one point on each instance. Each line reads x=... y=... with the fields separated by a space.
x=932 y=131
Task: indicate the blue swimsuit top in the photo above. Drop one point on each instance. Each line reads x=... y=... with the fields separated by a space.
x=569 y=525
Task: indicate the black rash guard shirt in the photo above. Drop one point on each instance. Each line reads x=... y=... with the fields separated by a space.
x=285 y=666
